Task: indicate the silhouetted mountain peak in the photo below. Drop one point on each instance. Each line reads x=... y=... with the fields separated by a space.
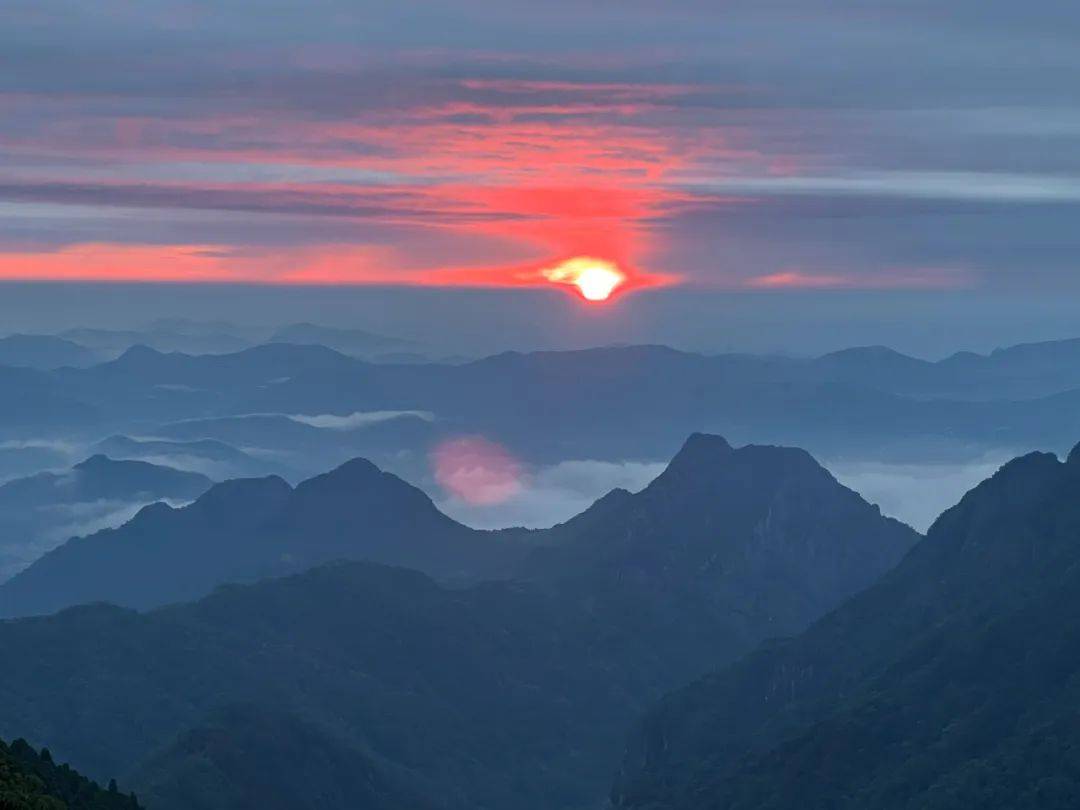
x=98 y=461
x=360 y=491
x=1025 y=465
x=1022 y=480
x=604 y=508
x=700 y=453
x=707 y=461
x=99 y=478
x=153 y=512
x=139 y=359
x=357 y=471
x=986 y=533
x=720 y=517
x=876 y=352
x=615 y=496
x=358 y=478
x=295 y=351
x=137 y=354
x=102 y=464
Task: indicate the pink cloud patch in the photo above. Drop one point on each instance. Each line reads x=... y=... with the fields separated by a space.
x=477 y=470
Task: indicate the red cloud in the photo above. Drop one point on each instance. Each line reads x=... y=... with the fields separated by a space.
x=544 y=170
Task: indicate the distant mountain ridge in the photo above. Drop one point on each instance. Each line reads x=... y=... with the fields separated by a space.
x=40 y=511
x=246 y=529
x=207 y=456
x=164 y=336
x=354 y=342
x=44 y=352
x=869 y=400
x=289 y=443
x=863 y=399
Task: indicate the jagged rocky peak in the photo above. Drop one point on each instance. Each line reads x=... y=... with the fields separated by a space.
x=707 y=462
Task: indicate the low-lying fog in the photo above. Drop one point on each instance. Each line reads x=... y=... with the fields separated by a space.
x=911 y=492
x=553 y=494
x=915 y=493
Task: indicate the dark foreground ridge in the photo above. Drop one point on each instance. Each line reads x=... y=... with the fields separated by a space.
x=952 y=683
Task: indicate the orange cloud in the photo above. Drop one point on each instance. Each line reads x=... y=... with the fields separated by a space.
x=319 y=265
x=534 y=171
x=194 y=263
x=795 y=278
x=887 y=279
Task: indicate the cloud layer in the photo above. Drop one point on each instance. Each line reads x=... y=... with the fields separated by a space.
x=878 y=144
x=553 y=494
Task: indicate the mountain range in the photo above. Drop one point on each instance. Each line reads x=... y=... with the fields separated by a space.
x=343 y=632
x=354 y=342
x=45 y=352
x=246 y=529
x=40 y=511
x=950 y=683
x=213 y=458
x=498 y=694
x=294 y=445
x=626 y=402
x=85 y=346
x=166 y=336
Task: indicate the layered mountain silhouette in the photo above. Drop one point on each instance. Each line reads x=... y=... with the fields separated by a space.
x=951 y=683
x=40 y=511
x=635 y=401
x=354 y=342
x=389 y=438
x=167 y=335
x=717 y=517
x=44 y=352
x=202 y=455
x=247 y=529
x=509 y=694
x=102 y=478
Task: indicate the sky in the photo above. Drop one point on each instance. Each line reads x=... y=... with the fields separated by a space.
x=882 y=156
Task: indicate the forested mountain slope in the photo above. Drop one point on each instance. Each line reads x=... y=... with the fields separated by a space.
x=952 y=683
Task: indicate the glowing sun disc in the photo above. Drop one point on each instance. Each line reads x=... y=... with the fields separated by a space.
x=595 y=279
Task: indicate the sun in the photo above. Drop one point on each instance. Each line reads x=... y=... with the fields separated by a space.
x=595 y=279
